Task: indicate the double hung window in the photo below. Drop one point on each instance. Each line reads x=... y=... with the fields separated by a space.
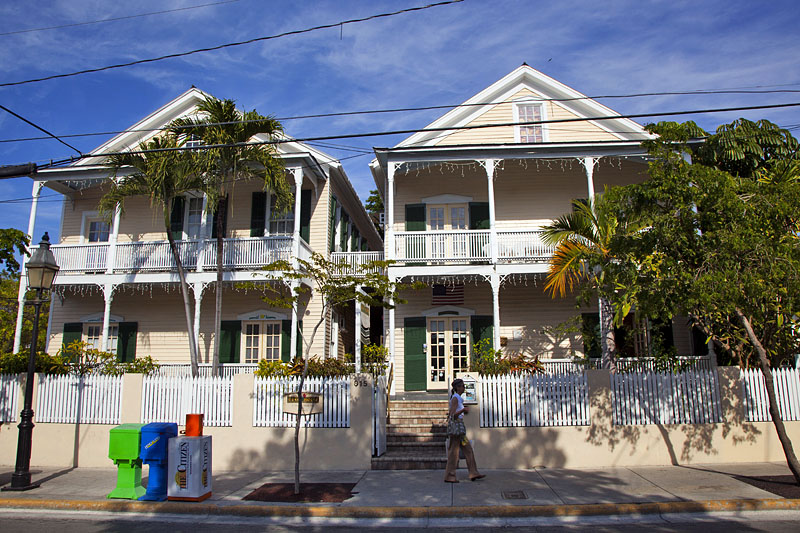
x=531 y=133
x=261 y=340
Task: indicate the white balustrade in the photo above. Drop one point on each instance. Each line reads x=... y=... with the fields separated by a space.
x=523 y=246
x=442 y=246
x=248 y=254
x=81 y=258
x=355 y=261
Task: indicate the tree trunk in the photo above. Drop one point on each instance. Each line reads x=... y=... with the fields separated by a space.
x=300 y=404
x=186 y=303
x=218 y=296
x=607 y=343
x=780 y=429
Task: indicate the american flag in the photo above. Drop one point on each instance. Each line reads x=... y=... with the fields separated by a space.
x=448 y=295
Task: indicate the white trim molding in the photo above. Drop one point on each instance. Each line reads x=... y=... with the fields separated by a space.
x=98 y=317
x=262 y=314
x=448 y=310
x=447 y=199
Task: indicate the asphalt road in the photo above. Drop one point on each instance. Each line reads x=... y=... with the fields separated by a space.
x=12 y=521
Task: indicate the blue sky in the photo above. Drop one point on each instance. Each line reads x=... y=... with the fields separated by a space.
x=439 y=56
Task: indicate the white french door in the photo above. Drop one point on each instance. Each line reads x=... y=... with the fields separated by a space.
x=448 y=350
x=443 y=218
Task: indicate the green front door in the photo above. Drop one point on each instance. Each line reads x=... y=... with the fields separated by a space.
x=414 y=360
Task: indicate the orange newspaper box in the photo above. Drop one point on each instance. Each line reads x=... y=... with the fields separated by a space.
x=194 y=425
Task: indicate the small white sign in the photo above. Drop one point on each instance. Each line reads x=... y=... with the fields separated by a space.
x=312 y=403
x=470 y=395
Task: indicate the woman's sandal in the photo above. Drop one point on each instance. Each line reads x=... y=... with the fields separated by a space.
x=479 y=476
x=451 y=481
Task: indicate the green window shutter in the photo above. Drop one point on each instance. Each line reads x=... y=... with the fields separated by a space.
x=258 y=214
x=415 y=331
x=126 y=341
x=230 y=335
x=299 y=338
x=176 y=217
x=478 y=215
x=354 y=240
x=222 y=211
x=72 y=333
x=415 y=217
x=482 y=328
x=345 y=229
x=332 y=225
x=699 y=345
x=286 y=340
x=305 y=214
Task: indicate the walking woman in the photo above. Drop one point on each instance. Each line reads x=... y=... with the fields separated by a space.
x=457 y=435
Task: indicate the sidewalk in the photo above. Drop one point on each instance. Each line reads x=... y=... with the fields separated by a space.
x=422 y=493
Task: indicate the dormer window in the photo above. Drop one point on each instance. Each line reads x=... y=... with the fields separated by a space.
x=529 y=112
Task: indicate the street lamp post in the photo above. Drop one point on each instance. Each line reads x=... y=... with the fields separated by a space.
x=41 y=270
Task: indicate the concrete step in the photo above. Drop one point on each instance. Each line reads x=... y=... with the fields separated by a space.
x=416 y=420
x=392 y=428
x=427 y=449
x=415 y=437
x=409 y=461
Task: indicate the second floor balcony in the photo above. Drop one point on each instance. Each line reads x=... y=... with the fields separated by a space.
x=156 y=256
x=470 y=246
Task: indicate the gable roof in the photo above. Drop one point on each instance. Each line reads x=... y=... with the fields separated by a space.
x=494 y=105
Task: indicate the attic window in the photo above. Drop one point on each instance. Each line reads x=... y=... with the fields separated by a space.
x=530 y=113
x=193 y=141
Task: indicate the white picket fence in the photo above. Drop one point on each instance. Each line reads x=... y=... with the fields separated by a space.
x=9 y=396
x=534 y=400
x=79 y=399
x=379 y=414
x=268 y=402
x=787 y=391
x=171 y=398
x=185 y=369
x=690 y=397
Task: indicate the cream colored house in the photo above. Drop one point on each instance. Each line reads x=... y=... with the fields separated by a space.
x=118 y=288
x=465 y=203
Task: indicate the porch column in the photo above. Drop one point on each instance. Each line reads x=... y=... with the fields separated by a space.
x=112 y=242
x=201 y=249
x=108 y=294
x=389 y=230
x=23 y=279
x=197 y=289
x=488 y=165
x=588 y=165
x=295 y=324
x=357 y=331
x=495 y=282
x=297 y=172
x=392 y=351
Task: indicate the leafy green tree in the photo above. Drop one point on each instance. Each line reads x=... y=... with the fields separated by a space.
x=721 y=244
x=162 y=174
x=335 y=284
x=227 y=158
x=12 y=242
x=584 y=259
x=9 y=301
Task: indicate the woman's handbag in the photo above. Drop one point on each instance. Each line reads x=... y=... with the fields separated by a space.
x=455 y=427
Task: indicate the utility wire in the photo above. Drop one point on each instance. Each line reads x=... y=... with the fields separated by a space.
x=228 y=45
x=424 y=108
x=7 y=110
x=117 y=18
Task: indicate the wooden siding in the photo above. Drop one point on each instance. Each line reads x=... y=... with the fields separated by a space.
x=503 y=113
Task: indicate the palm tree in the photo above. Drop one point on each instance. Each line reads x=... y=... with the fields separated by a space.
x=583 y=240
x=227 y=158
x=162 y=174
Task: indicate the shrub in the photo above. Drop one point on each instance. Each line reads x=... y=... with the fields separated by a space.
x=85 y=360
x=17 y=363
x=490 y=362
x=374 y=360
x=316 y=368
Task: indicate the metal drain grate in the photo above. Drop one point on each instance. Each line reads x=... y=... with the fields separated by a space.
x=514 y=495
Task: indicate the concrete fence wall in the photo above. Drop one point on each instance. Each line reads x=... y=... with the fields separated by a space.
x=239 y=447
x=602 y=443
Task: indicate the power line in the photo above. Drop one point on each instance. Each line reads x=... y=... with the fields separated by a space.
x=427 y=108
x=117 y=18
x=7 y=110
x=441 y=129
x=228 y=45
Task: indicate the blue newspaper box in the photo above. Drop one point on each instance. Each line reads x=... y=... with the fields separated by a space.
x=154 y=453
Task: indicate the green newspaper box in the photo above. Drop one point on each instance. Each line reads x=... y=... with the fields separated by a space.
x=123 y=448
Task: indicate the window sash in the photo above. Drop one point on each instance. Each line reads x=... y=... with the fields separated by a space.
x=530 y=113
x=261 y=340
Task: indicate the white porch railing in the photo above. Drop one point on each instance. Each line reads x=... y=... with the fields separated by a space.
x=356 y=260
x=442 y=246
x=9 y=396
x=522 y=246
x=226 y=370
x=534 y=400
x=690 y=397
x=268 y=402
x=787 y=391
x=170 y=399
x=79 y=399
x=156 y=256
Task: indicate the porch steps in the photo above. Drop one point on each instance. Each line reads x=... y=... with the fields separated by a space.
x=415 y=436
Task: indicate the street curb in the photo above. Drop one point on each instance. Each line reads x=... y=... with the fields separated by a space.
x=339 y=511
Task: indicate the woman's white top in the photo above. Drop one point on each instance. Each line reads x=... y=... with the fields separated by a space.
x=460 y=404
